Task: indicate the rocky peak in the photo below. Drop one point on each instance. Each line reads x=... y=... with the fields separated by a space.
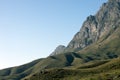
x=86 y=35
x=96 y=26
x=58 y=50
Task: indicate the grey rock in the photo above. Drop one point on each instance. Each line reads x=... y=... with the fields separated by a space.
x=94 y=27
x=58 y=50
x=97 y=26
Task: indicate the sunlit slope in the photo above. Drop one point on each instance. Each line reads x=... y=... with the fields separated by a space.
x=107 y=70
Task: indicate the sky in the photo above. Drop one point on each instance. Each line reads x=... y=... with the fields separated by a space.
x=32 y=29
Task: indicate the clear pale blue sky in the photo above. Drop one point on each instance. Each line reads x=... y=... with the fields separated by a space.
x=32 y=29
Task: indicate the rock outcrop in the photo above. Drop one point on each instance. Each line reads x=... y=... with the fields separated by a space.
x=58 y=50
x=97 y=26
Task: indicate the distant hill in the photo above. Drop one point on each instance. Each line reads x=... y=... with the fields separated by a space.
x=92 y=54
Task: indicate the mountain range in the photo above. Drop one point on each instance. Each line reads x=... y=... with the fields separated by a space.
x=92 y=54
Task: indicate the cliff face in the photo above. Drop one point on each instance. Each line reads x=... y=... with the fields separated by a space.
x=87 y=35
x=97 y=26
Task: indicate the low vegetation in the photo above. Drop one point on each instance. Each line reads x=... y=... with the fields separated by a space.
x=103 y=70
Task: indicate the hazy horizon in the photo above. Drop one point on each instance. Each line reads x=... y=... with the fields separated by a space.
x=31 y=30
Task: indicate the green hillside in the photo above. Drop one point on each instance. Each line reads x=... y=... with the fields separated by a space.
x=104 y=70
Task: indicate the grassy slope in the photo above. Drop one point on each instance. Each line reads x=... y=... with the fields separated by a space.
x=105 y=71
x=18 y=72
x=104 y=49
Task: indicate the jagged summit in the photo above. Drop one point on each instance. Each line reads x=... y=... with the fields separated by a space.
x=97 y=26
